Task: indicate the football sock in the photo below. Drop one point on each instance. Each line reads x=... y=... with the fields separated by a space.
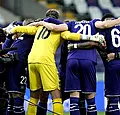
x=91 y=107
x=112 y=107
x=74 y=106
x=82 y=104
x=18 y=107
x=41 y=109
x=9 y=110
x=32 y=109
x=57 y=106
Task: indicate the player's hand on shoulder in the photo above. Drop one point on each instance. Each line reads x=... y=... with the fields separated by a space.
x=8 y=29
x=98 y=38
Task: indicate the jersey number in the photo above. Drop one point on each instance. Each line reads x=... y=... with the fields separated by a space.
x=23 y=80
x=86 y=29
x=44 y=33
x=115 y=33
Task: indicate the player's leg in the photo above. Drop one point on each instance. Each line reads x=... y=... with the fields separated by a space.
x=16 y=88
x=36 y=96
x=41 y=108
x=112 y=106
x=9 y=110
x=17 y=100
x=74 y=103
x=72 y=85
x=35 y=86
x=91 y=105
x=88 y=85
x=65 y=95
x=112 y=88
x=32 y=105
x=57 y=102
x=82 y=104
x=42 y=105
x=50 y=82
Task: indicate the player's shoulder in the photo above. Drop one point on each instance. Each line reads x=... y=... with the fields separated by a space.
x=95 y=20
x=82 y=22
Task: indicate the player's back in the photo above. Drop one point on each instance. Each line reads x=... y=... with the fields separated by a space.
x=112 y=38
x=45 y=44
x=85 y=28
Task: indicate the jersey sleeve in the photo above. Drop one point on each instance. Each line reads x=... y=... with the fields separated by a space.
x=7 y=43
x=31 y=30
x=53 y=20
x=70 y=24
x=67 y=35
x=95 y=20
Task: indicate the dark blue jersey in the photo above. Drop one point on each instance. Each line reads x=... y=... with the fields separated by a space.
x=23 y=43
x=112 y=38
x=63 y=57
x=85 y=28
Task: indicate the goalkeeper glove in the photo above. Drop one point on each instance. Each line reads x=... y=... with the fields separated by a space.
x=97 y=38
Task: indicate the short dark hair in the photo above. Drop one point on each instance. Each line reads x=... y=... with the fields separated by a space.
x=52 y=13
x=107 y=15
x=28 y=21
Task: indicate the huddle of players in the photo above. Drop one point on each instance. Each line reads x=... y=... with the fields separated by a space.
x=79 y=67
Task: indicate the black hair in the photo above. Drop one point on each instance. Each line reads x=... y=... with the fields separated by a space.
x=107 y=15
x=52 y=13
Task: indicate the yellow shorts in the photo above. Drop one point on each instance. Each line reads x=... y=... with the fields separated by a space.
x=43 y=76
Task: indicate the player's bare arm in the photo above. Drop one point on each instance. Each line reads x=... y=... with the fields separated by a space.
x=50 y=26
x=54 y=27
x=107 y=23
x=67 y=35
x=85 y=45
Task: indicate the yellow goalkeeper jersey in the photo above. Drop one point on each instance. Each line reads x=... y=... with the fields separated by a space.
x=46 y=42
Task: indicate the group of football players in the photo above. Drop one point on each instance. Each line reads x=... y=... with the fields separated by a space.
x=37 y=42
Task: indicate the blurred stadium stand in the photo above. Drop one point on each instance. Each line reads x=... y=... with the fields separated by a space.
x=69 y=9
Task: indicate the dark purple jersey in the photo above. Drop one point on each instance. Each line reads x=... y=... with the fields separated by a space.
x=16 y=71
x=85 y=28
x=23 y=43
x=112 y=68
x=112 y=38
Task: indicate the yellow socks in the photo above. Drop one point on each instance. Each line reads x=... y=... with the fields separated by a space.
x=31 y=107
x=57 y=106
